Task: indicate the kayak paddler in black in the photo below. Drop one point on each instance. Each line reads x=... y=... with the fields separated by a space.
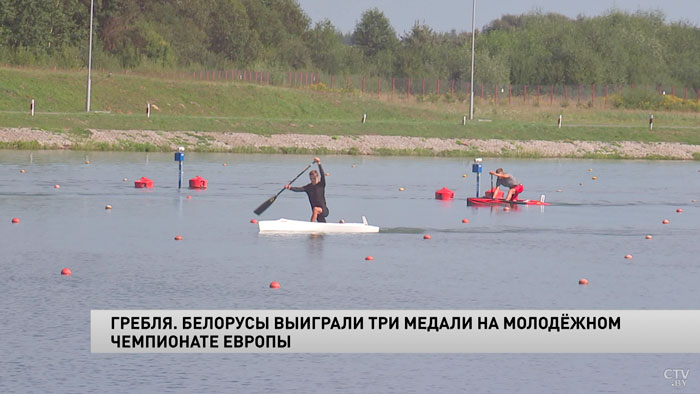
x=316 y=191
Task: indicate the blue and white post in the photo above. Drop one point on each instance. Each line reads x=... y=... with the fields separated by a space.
x=476 y=168
x=180 y=158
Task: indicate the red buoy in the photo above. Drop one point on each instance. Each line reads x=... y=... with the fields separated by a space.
x=198 y=183
x=369 y=258
x=649 y=237
x=583 y=281
x=444 y=194
x=178 y=237
x=189 y=197
x=254 y=221
x=275 y=285
x=15 y=220
x=66 y=271
x=56 y=186
x=427 y=236
x=666 y=221
x=465 y=221
x=679 y=210
x=143 y=183
x=628 y=256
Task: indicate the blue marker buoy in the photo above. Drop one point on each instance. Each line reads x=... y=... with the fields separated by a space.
x=476 y=168
x=180 y=158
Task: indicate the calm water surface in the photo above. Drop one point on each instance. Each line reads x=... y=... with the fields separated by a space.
x=528 y=258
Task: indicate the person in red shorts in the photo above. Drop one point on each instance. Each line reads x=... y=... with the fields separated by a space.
x=508 y=181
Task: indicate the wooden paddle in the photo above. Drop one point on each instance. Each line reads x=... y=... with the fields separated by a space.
x=272 y=199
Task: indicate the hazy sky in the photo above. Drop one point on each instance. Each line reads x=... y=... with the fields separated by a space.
x=445 y=15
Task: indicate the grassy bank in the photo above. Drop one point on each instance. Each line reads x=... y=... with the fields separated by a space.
x=119 y=101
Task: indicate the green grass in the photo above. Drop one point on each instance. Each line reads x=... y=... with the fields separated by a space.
x=119 y=102
x=25 y=145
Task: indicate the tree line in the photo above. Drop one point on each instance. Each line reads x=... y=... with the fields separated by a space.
x=534 y=48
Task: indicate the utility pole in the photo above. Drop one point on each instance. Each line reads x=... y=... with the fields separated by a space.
x=89 y=78
x=471 y=85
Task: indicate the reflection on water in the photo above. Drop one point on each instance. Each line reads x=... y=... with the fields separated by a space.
x=525 y=258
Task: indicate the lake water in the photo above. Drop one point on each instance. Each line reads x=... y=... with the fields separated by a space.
x=526 y=258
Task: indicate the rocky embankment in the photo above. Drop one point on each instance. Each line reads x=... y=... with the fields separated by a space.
x=366 y=144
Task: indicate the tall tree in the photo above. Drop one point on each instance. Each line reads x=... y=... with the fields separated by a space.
x=326 y=47
x=230 y=35
x=374 y=34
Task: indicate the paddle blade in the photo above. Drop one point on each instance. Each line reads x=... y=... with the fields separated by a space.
x=265 y=205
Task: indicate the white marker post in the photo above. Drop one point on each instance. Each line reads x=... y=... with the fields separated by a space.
x=464 y=120
x=364 y=118
x=559 y=122
x=31 y=107
x=651 y=122
x=148 y=110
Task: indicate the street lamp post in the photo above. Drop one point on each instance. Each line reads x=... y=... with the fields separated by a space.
x=89 y=79
x=471 y=85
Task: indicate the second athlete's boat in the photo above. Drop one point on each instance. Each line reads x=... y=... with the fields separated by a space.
x=298 y=226
x=486 y=201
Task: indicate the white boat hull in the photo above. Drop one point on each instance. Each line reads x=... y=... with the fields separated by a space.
x=298 y=226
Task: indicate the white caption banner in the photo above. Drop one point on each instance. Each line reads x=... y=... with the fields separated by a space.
x=395 y=331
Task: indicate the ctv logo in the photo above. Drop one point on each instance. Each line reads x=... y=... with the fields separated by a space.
x=679 y=377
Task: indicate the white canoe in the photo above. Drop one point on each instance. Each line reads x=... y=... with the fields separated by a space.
x=298 y=226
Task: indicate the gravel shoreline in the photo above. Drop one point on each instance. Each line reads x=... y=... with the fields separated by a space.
x=365 y=144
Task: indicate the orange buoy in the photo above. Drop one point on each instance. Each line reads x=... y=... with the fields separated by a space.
x=108 y=207
x=558 y=190
x=15 y=220
x=583 y=281
x=22 y=171
x=66 y=271
x=369 y=258
x=275 y=285
x=427 y=236
x=590 y=170
x=465 y=221
x=401 y=189
x=254 y=221
x=125 y=180
x=464 y=175
x=679 y=210
x=648 y=236
x=178 y=237
x=87 y=161
x=189 y=197
x=628 y=256
x=225 y=164
x=56 y=186
x=666 y=221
